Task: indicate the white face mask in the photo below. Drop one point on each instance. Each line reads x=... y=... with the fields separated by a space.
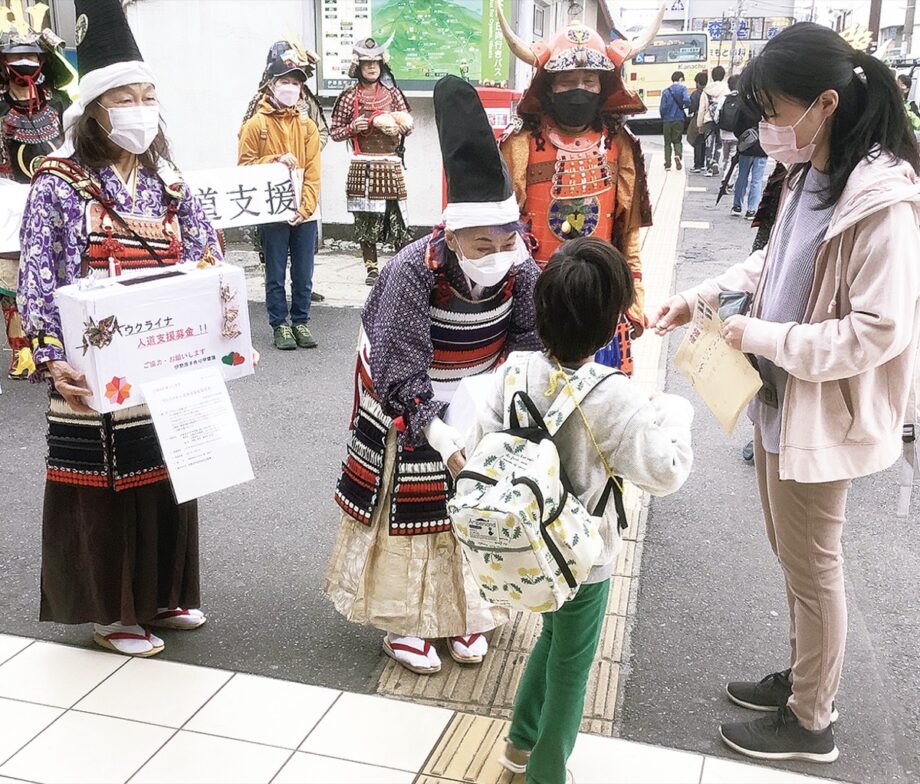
x=493 y=268
x=286 y=94
x=134 y=127
x=778 y=141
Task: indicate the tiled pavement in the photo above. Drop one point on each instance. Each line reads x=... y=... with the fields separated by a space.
x=69 y=716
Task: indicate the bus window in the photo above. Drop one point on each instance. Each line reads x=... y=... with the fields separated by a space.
x=677 y=48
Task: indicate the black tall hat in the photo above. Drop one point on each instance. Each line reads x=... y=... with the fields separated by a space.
x=103 y=36
x=479 y=190
x=107 y=57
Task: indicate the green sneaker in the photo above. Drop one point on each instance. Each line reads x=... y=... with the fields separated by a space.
x=303 y=337
x=284 y=338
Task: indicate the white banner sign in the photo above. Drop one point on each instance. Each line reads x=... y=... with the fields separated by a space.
x=231 y=197
x=199 y=433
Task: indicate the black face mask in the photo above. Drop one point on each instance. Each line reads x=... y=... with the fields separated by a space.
x=576 y=108
x=24 y=74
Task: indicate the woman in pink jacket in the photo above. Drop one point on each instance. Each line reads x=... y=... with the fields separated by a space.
x=834 y=329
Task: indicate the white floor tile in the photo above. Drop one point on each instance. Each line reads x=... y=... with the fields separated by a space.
x=313 y=769
x=720 y=771
x=403 y=735
x=20 y=722
x=202 y=759
x=11 y=645
x=55 y=674
x=83 y=749
x=598 y=760
x=158 y=692
x=264 y=710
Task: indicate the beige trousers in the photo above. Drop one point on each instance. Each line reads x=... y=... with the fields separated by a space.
x=805 y=525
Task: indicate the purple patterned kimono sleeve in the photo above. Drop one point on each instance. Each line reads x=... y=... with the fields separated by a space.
x=51 y=254
x=522 y=334
x=397 y=320
x=197 y=231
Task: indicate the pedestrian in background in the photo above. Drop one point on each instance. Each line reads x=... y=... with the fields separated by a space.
x=694 y=127
x=913 y=113
x=713 y=93
x=752 y=163
x=836 y=317
x=726 y=127
x=280 y=133
x=675 y=100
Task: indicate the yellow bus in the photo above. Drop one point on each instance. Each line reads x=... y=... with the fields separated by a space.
x=650 y=72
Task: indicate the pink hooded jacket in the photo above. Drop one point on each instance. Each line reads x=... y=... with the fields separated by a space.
x=851 y=361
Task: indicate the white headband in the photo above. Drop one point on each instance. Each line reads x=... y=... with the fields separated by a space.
x=465 y=215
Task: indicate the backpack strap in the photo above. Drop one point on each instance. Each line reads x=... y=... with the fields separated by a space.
x=585 y=379
x=516 y=381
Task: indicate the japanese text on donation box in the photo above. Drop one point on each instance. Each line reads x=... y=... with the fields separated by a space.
x=198 y=433
x=126 y=331
x=721 y=376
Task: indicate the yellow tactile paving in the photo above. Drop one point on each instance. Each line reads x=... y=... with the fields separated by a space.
x=469 y=752
x=490 y=689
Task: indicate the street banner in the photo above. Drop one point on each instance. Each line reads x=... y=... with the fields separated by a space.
x=230 y=197
x=721 y=376
x=199 y=433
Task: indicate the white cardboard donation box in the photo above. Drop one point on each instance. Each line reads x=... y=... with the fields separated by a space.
x=126 y=331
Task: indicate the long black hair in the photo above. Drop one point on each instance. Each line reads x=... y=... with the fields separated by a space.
x=804 y=61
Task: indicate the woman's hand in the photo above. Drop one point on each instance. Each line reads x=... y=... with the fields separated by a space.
x=289 y=160
x=70 y=385
x=297 y=220
x=672 y=314
x=456 y=462
x=360 y=124
x=733 y=330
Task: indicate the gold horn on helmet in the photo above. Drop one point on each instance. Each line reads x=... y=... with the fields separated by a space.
x=648 y=35
x=520 y=49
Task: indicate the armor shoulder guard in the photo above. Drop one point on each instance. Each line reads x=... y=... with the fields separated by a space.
x=515 y=126
x=78 y=178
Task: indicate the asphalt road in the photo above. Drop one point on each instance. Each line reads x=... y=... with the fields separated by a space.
x=711 y=605
x=264 y=545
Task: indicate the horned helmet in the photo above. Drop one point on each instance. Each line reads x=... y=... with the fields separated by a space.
x=369 y=51
x=577 y=47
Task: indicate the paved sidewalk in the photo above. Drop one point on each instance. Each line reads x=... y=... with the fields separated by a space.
x=72 y=716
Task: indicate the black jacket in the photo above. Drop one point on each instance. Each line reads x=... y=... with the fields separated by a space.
x=747 y=120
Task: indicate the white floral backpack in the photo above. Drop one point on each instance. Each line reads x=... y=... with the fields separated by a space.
x=529 y=541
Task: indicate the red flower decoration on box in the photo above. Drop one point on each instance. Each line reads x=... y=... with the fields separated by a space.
x=118 y=390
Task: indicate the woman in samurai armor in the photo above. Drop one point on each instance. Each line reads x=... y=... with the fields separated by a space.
x=117 y=550
x=448 y=306
x=31 y=106
x=373 y=115
x=577 y=170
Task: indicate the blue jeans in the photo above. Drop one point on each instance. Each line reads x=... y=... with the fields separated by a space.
x=750 y=179
x=279 y=239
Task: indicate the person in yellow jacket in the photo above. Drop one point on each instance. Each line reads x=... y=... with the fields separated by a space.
x=279 y=132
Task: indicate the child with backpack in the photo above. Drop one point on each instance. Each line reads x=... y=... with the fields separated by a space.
x=579 y=299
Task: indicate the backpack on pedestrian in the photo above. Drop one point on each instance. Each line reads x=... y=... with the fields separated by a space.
x=728 y=112
x=529 y=541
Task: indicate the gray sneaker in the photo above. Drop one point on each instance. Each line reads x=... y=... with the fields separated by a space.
x=303 y=337
x=284 y=338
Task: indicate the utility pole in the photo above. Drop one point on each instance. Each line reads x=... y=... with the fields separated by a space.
x=909 y=27
x=721 y=39
x=875 y=19
x=814 y=11
x=735 y=26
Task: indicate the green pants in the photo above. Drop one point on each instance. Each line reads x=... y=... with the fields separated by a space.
x=673 y=133
x=551 y=698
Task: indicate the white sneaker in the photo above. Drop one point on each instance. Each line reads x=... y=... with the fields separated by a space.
x=127 y=640
x=413 y=653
